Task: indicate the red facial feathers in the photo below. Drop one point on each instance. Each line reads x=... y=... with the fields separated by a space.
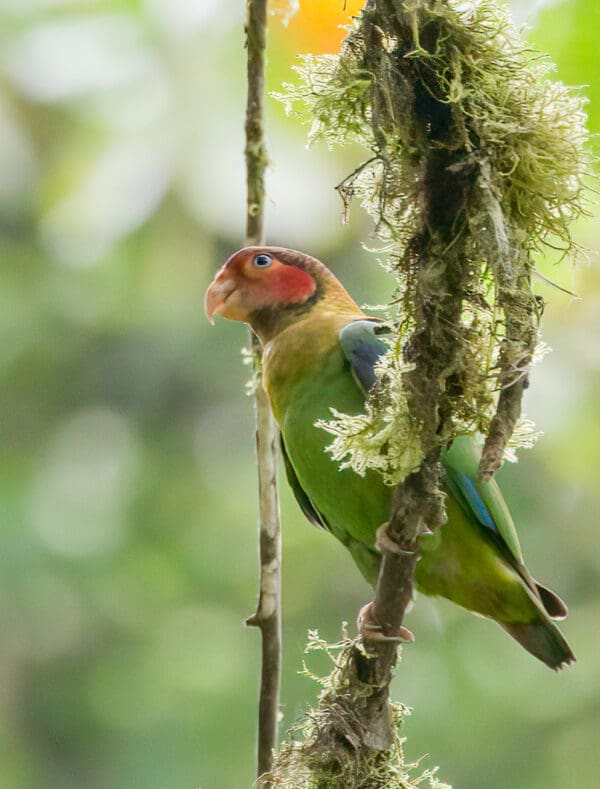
x=290 y=284
x=278 y=284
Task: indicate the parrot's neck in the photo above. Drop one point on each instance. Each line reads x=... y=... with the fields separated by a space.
x=295 y=356
x=329 y=297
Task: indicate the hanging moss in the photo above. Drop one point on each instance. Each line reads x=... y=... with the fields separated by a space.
x=325 y=750
x=476 y=161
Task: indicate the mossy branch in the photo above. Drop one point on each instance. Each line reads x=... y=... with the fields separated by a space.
x=326 y=749
x=476 y=161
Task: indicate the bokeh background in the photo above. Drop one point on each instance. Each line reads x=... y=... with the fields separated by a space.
x=127 y=491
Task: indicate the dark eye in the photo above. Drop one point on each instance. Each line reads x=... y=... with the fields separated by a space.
x=262 y=261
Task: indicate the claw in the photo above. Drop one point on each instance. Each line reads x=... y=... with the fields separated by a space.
x=371 y=631
x=384 y=543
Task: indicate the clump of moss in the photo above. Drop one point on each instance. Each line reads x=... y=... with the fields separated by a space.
x=359 y=439
x=324 y=750
x=476 y=161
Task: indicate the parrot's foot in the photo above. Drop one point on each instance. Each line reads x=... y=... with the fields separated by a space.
x=371 y=631
x=384 y=543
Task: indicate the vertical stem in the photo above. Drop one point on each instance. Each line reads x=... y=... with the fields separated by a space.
x=256 y=157
x=268 y=613
x=268 y=616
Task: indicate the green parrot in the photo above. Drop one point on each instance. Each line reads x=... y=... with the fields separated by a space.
x=319 y=352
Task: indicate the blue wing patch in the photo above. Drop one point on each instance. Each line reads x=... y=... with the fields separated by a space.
x=481 y=500
x=363 y=348
x=465 y=489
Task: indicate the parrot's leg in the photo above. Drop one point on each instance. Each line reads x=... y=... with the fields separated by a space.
x=371 y=631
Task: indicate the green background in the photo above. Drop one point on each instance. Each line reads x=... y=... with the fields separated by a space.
x=127 y=490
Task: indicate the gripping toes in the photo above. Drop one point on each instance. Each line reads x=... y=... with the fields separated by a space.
x=384 y=543
x=371 y=631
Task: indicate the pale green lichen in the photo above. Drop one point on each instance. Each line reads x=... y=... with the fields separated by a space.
x=320 y=750
x=524 y=437
x=380 y=439
x=476 y=161
x=532 y=129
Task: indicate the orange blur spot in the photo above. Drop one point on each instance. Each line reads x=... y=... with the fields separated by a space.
x=316 y=26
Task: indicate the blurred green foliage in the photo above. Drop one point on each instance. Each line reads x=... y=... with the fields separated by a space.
x=127 y=537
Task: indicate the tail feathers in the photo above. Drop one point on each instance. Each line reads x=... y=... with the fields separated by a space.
x=543 y=640
x=555 y=607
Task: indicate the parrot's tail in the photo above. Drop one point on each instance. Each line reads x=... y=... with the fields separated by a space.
x=543 y=640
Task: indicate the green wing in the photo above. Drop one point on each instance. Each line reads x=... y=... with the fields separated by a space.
x=304 y=502
x=362 y=345
x=362 y=348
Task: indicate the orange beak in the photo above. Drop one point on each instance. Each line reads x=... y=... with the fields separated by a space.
x=217 y=294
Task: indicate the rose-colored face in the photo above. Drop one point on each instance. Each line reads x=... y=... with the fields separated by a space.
x=253 y=279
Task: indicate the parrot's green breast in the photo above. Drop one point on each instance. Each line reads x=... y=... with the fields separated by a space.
x=352 y=505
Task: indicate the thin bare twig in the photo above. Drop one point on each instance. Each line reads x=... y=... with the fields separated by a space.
x=268 y=613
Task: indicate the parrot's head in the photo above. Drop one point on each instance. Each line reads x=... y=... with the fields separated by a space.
x=268 y=287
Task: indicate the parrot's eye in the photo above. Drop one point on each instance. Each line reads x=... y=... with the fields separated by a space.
x=262 y=261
